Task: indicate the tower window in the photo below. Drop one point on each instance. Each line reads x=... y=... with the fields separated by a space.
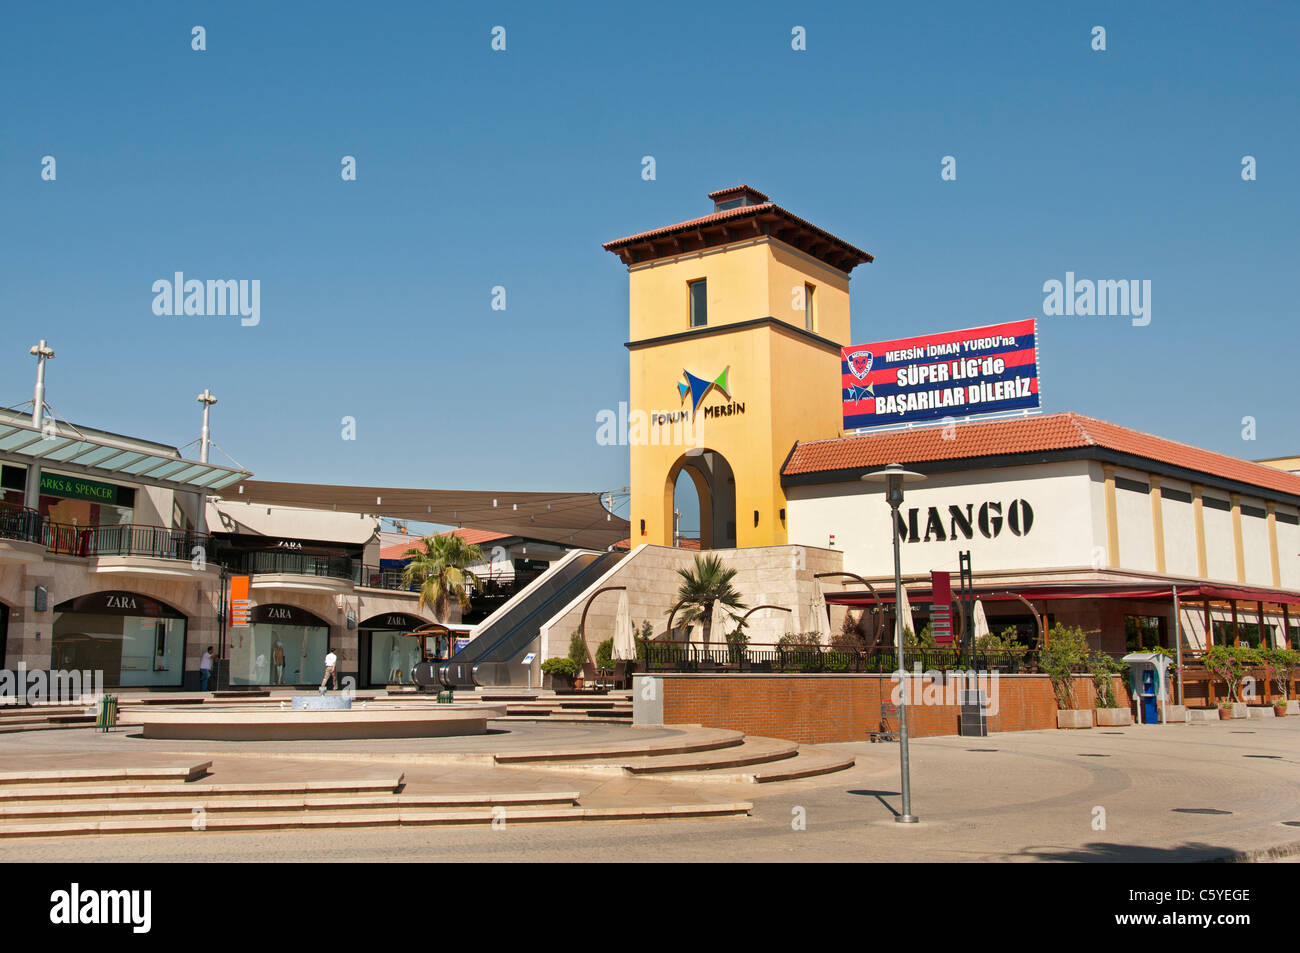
x=699 y=294
x=809 y=308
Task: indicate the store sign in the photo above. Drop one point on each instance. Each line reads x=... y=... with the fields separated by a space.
x=963 y=522
x=240 y=601
x=119 y=603
x=954 y=374
x=285 y=615
x=697 y=388
x=75 y=488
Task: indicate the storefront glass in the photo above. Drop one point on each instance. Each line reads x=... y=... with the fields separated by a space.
x=133 y=640
x=392 y=657
x=283 y=645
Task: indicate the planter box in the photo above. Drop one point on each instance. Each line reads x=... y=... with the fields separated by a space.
x=1293 y=707
x=1176 y=714
x=1112 y=717
x=1260 y=711
x=1195 y=715
x=1239 y=710
x=1074 y=718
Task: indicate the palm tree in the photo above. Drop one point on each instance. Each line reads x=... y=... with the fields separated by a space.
x=439 y=569
x=708 y=582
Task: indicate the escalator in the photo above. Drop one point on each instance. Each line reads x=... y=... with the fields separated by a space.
x=493 y=658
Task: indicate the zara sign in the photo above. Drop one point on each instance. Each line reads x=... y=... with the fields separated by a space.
x=963 y=522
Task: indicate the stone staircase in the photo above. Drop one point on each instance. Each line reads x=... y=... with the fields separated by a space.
x=697 y=754
x=95 y=802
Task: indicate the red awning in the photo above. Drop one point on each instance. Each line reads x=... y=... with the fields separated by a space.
x=1078 y=591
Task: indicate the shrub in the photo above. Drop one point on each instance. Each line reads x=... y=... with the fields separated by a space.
x=605 y=654
x=577 y=648
x=1066 y=651
x=1282 y=664
x=560 y=666
x=1102 y=667
x=834 y=661
x=1230 y=663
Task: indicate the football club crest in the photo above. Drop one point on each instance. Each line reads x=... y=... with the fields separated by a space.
x=860 y=364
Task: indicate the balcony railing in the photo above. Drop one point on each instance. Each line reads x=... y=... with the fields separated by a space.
x=789 y=658
x=122 y=539
x=288 y=563
x=380 y=577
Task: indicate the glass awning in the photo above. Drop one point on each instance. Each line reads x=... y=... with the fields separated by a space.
x=63 y=445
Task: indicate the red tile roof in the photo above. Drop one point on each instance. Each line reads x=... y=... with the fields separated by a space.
x=741 y=189
x=1026 y=435
x=472 y=537
x=821 y=243
x=475 y=537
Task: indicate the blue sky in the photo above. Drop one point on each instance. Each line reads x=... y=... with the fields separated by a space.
x=478 y=168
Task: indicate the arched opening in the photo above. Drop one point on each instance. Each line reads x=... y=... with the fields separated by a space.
x=133 y=639
x=701 y=486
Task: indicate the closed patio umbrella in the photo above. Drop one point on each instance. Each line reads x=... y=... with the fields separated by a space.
x=980 y=624
x=820 y=621
x=905 y=612
x=624 y=639
x=719 y=625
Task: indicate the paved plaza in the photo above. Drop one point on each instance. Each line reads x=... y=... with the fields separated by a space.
x=1164 y=793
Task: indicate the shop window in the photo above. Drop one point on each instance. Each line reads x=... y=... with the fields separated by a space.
x=1142 y=633
x=699 y=295
x=1247 y=631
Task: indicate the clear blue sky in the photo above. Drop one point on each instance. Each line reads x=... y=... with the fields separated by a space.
x=478 y=169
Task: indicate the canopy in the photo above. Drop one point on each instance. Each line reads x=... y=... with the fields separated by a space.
x=580 y=520
x=1004 y=592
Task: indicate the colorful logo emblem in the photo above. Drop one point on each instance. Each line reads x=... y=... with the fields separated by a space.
x=860 y=364
x=699 y=388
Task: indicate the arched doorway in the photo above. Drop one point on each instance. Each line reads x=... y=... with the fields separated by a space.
x=704 y=477
x=386 y=649
x=281 y=645
x=133 y=639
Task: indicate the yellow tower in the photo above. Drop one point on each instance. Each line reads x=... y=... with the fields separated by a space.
x=736 y=324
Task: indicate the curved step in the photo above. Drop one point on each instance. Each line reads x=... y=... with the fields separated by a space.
x=690 y=741
x=86 y=775
x=754 y=750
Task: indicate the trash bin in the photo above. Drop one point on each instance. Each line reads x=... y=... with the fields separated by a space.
x=107 y=717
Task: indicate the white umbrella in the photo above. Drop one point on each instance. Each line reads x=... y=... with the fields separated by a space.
x=624 y=640
x=980 y=623
x=905 y=613
x=820 y=623
x=719 y=625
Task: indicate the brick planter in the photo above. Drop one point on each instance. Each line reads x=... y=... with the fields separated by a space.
x=1074 y=718
x=1110 y=718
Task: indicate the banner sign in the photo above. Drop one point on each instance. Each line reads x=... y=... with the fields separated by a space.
x=240 y=601
x=941 y=607
x=953 y=374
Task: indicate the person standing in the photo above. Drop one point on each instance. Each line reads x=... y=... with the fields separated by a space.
x=331 y=660
x=205 y=670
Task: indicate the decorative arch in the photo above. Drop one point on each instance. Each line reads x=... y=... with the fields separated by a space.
x=715 y=485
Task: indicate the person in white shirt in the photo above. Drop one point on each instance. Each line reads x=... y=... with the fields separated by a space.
x=330 y=661
x=205 y=669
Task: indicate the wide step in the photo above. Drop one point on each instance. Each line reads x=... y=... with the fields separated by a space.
x=753 y=751
x=388 y=818
x=84 y=775
x=17 y=794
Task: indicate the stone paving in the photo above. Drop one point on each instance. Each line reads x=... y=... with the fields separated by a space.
x=1173 y=793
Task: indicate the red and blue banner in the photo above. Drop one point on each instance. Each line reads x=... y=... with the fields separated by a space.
x=953 y=374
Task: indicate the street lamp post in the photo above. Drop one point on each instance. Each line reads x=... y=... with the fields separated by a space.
x=894 y=476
